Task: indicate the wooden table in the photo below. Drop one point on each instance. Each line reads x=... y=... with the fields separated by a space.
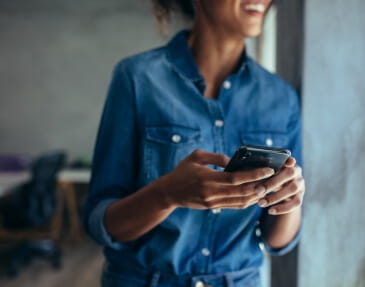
x=66 y=182
x=67 y=179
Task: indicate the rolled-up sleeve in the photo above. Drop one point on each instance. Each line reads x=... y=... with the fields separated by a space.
x=115 y=153
x=285 y=249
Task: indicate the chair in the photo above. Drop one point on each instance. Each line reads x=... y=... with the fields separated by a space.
x=32 y=214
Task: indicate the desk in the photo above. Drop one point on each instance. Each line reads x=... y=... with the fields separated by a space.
x=10 y=180
x=66 y=180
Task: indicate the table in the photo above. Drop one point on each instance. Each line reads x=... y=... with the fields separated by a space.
x=10 y=180
x=66 y=180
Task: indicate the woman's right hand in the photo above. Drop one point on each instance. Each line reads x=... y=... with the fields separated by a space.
x=194 y=185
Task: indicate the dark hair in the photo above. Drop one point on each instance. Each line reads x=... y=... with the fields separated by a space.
x=164 y=8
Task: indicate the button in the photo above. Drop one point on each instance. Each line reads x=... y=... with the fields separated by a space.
x=269 y=142
x=219 y=123
x=227 y=85
x=258 y=232
x=216 y=210
x=205 y=252
x=199 y=284
x=261 y=246
x=176 y=138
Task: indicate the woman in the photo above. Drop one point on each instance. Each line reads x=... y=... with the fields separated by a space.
x=159 y=201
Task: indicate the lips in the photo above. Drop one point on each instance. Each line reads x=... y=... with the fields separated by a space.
x=258 y=8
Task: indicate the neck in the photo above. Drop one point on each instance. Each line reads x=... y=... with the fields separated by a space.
x=216 y=53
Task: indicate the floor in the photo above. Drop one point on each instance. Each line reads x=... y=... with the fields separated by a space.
x=81 y=267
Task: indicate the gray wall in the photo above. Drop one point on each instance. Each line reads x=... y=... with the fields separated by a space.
x=332 y=252
x=56 y=59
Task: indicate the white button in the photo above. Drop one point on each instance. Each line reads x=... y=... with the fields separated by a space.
x=262 y=246
x=176 y=138
x=258 y=232
x=205 y=252
x=199 y=284
x=227 y=85
x=216 y=210
x=219 y=123
x=269 y=142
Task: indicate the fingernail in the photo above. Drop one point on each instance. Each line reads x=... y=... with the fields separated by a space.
x=262 y=202
x=272 y=211
x=260 y=190
x=269 y=171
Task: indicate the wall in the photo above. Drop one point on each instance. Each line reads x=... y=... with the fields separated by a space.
x=56 y=59
x=332 y=251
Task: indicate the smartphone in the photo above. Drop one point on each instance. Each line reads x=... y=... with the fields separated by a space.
x=251 y=157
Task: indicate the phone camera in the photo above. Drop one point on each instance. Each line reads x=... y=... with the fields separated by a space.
x=245 y=155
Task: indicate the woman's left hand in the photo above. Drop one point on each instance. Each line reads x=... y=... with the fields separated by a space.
x=286 y=189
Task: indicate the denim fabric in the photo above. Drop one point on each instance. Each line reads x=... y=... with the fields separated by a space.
x=155 y=115
x=121 y=277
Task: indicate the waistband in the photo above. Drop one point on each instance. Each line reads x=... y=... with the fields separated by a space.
x=121 y=274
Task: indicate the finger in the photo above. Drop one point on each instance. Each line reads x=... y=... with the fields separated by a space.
x=285 y=175
x=205 y=158
x=286 y=192
x=287 y=206
x=290 y=162
x=234 y=203
x=244 y=176
x=227 y=191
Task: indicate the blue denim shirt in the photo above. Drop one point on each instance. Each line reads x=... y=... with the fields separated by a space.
x=154 y=116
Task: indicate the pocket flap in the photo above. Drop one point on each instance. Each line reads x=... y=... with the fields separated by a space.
x=271 y=139
x=172 y=134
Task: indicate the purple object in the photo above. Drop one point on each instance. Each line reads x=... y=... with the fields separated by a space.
x=14 y=163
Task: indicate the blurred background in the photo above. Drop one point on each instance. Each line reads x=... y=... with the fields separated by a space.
x=56 y=60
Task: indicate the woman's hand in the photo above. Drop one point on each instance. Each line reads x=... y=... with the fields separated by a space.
x=194 y=185
x=288 y=188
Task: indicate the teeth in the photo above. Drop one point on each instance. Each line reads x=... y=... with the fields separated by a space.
x=255 y=7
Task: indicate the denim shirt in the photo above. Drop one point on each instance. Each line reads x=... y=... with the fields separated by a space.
x=154 y=116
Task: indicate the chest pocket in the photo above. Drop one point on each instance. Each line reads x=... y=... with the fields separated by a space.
x=268 y=139
x=166 y=146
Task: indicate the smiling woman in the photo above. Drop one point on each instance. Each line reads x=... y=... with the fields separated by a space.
x=159 y=201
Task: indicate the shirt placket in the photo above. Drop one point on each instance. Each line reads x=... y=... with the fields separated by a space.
x=217 y=123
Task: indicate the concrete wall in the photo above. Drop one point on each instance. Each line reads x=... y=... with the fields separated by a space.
x=56 y=59
x=332 y=252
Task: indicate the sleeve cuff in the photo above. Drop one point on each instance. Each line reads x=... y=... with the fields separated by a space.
x=285 y=249
x=97 y=227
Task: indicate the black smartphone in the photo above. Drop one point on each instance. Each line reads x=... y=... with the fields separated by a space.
x=251 y=157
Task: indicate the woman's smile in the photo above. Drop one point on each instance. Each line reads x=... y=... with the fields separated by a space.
x=254 y=9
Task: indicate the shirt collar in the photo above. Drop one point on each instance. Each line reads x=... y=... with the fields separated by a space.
x=181 y=58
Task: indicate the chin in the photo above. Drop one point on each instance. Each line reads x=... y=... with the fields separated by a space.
x=252 y=33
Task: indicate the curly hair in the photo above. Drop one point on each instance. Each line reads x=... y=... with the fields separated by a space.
x=164 y=8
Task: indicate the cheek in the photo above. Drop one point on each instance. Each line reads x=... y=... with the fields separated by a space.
x=230 y=16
